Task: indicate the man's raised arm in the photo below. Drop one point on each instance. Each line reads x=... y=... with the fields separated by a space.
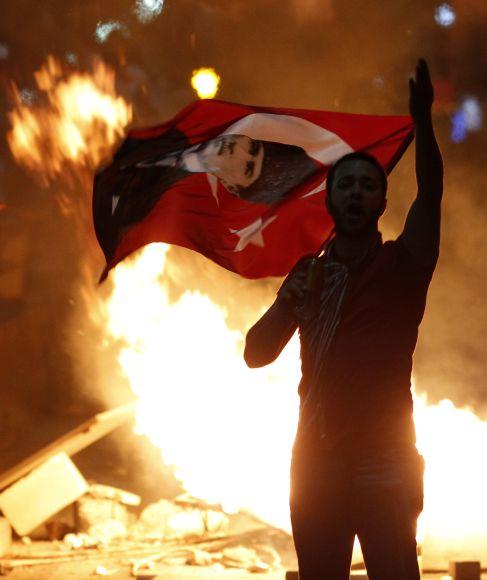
x=269 y=335
x=421 y=233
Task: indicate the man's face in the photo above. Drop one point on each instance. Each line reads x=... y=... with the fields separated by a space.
x=235 y=159
x=357 y=199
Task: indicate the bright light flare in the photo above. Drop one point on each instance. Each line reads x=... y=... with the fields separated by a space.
x=147 y=10
x=453 y=442
x=104 y=29
x=468 y=118
x=206 y=82
x=81 y=118
x=450 y=440
x=4 y=51
x=445 y=15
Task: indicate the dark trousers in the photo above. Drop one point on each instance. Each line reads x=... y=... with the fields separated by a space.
x=377 y=499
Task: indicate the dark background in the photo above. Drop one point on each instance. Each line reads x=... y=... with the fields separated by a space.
x=345 y=55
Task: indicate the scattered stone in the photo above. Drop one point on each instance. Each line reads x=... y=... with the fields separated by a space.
x=93 y=511
x=166 y=520
x=258 y=568
x=201 y=558
x=78 y=541
x=242 y=557
x=153 y=519
x=188 y=522
x=108 y=532
x=99 y=491
x=103 y=571
x=215 y=521
x=142 y=569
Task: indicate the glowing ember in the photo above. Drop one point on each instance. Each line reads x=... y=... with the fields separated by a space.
x=228 y=430
x=81 y=120
x=205 y=81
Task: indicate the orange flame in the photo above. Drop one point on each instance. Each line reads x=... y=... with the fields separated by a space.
x=74 y=129
x=228 y=430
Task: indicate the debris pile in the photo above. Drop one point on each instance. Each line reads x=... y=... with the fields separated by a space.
x=59 y=517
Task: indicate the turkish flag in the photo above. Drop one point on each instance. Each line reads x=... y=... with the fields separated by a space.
x=242 y=185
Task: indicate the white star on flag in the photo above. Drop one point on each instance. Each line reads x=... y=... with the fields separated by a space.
x=252 y=234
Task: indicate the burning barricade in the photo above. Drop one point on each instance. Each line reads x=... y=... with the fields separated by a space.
x=47 y=498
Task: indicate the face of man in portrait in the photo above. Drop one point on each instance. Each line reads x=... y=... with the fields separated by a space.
x=235 y=159
x=357 y=199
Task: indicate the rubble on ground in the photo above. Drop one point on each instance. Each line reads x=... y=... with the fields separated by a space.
x=60 y=517
x=177 y=532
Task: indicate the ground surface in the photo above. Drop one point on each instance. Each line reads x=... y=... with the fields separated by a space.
x=86 y=570
x=118 y=567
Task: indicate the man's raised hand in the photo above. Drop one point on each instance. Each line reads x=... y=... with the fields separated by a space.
x=420 y=92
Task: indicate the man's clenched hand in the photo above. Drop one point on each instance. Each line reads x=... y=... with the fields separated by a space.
x=293 y=291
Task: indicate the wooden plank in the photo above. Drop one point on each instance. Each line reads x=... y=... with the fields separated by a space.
x=74 y=441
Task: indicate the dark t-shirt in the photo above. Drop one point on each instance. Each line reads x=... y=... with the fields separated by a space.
x=365 y=385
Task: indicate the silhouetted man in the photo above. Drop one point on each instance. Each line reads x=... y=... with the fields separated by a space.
x=355 y=468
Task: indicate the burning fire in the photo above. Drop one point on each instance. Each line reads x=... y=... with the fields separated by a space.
x=206 y=82
x=453 y=443
x=80 y=120
x=228 y=430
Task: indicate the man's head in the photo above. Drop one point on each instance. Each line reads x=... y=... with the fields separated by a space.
x=356 y=193
x=257 y=171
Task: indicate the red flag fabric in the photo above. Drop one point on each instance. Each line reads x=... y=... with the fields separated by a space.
x=242 y=185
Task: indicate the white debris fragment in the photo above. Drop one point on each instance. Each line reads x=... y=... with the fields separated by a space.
x=103 y=571
x=78 y=541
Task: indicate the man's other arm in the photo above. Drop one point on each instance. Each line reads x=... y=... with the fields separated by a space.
x=269 y=335
x=421 y=234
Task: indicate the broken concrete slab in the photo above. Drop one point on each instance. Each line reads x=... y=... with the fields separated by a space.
x=36 y=497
